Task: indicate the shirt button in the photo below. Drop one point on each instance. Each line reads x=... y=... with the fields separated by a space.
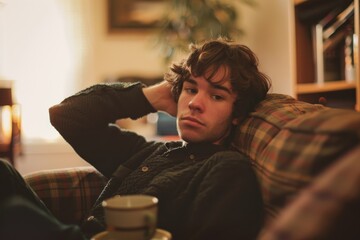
x=144 y=169
x=192 y=156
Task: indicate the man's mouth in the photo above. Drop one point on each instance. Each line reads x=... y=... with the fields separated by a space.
x=192 y=120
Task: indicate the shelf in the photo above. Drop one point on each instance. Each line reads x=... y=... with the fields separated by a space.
x=297 y=2
x=306 y=88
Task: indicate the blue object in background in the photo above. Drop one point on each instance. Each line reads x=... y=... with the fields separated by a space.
x=166 y=125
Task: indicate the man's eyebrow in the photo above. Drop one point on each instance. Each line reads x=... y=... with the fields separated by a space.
x=221 y=87
x=213 y=85
x=190 y=80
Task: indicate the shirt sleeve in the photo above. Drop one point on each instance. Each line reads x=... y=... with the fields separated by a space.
x=86 y=121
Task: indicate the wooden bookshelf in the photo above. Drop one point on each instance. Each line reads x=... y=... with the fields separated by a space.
x=299 y=1
x=307 y=87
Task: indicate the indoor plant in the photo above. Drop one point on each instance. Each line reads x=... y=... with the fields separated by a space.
x=191 y=21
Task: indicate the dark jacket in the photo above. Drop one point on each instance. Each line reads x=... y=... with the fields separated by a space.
x=205 y=191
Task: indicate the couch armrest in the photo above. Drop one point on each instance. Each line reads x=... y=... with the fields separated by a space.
x=68 y=193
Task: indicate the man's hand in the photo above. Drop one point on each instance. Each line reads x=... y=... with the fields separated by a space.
x=160 y=97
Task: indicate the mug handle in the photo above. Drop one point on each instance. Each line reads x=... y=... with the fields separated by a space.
x=150 y=221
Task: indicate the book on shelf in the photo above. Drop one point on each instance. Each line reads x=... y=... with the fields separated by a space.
x=340 y=20
x=332 y=42
x=311 y=11
x=336 y=39
x=349 y=68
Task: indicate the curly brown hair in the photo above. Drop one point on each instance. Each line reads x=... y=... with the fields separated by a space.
x=250 y=85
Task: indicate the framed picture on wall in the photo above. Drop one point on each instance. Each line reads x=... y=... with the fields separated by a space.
x=135 y=14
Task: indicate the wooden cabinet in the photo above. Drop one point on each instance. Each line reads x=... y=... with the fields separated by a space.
x=340 y=91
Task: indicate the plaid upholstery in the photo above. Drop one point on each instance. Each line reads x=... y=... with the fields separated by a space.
x=290 y=142
x=267 y=120
x=327 y=209
x=68 y=193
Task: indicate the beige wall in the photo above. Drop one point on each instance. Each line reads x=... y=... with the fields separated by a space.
x=268 y=32
x=38 y=156
x=116 y=54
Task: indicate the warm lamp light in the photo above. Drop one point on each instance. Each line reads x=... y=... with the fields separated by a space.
x=5 y=115
x=9 y=124
x=5 y=125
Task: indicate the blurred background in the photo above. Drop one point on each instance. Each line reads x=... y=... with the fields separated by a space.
x=50 y=49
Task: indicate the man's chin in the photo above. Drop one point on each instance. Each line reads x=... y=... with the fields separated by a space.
x=191 y=139
x=195 y=138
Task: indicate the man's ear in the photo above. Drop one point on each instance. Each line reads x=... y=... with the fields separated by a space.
x=235 y=121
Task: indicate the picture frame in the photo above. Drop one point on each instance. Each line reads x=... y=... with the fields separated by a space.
x=134 y=15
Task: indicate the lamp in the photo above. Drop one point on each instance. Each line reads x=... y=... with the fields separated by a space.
x=9 y=125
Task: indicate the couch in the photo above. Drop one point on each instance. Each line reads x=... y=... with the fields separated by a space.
x=306 y=157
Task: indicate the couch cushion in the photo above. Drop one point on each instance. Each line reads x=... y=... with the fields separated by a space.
x=255 y=132
x=327 y=209
x=69 y=193
x=290 y=142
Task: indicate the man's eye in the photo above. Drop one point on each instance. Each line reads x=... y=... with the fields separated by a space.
x=190 y=90
x=217 y=97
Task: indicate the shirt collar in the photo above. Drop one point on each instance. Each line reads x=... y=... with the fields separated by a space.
x=193 y=151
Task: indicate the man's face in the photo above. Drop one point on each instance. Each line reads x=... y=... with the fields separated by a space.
x=205 y=108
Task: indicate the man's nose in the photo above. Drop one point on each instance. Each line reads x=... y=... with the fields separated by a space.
x=197 y=103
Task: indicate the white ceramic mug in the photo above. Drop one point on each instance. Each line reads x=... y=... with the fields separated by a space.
x=131 y=216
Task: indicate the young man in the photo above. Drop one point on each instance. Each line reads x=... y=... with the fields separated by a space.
x=205 y=189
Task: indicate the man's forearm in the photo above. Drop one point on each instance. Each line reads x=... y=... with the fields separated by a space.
x=98 y=106
x=83 y=121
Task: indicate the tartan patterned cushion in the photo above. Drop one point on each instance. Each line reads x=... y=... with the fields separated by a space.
x=327 y=209
x=290 y=142
x=255 y=133
x=69 y=193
